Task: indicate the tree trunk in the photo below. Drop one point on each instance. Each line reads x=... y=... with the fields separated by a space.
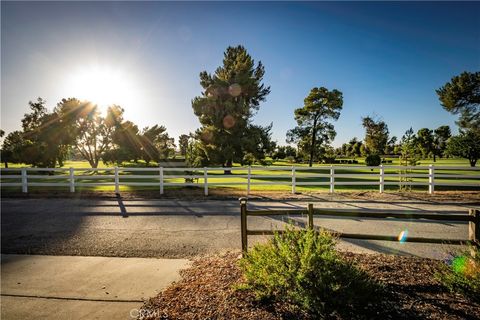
x=434 y=157
x=473 y=162
x=228 y=165
x=312 y=146
x=6 y=164
x=93 y=164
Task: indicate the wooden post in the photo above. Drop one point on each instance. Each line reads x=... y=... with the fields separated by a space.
x=310 y=215
x=205 y=180
x=243 y=224
x=431 y=179
x=249 y=176
x=24 y=180
x=382 y=178
x=294 y=180
x=161 y=180
x=332 y=179
x=117 y=181
x=72 y=180
x=474 y=227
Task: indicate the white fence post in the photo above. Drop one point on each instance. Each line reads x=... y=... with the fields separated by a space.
x=249 y=176
x=332 y=179
x=382 y=178
x=24 y=180
x=205 y=180
x=117 y=180
x=294 y=180
x=72 y=180
x=161 y=180
x=431 y=179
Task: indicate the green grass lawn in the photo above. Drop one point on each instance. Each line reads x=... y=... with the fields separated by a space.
x=318 y=183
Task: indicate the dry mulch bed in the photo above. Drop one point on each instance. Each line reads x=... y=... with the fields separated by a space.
x=207 y=291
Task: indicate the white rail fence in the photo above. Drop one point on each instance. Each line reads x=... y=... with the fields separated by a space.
x=162 y=177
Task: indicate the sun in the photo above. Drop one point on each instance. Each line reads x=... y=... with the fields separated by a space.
x=101 y=85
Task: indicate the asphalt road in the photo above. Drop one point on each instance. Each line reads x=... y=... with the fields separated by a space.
x=183 y=229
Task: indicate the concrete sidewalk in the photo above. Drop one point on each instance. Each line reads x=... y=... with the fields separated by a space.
x=72 y=287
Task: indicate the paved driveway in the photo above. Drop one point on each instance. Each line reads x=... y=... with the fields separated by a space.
x=182 y=229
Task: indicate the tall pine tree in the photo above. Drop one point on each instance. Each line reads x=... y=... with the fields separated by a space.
x=229 y=99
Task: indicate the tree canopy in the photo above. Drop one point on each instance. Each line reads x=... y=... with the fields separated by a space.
x=230 y=97
x=314 y=128
x=462 y=96
x=465 y=145
x=376 y=135
x=41 y=141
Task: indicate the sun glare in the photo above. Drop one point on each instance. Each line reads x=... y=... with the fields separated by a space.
x=103 y=86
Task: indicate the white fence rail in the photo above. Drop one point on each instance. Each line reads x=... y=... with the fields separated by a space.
x=162 y=177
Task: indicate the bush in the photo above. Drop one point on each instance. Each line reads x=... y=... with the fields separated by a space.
x=373 y=160
x=248 y=159
x=303 y=268
x=290 y=159
x=461 y=273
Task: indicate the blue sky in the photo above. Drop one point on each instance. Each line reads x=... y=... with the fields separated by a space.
x=386 y=58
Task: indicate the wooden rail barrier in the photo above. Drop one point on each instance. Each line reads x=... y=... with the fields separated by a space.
x=473 y=219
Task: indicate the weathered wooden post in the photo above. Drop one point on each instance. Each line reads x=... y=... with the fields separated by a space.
x=310 y=215
x=243 y=224
x=474 y=227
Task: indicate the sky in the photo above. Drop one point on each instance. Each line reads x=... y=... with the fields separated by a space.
x=387 y=58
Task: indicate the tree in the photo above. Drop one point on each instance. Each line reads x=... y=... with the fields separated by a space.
x=156 y=144
x=409 y=156
x=462 y=96
x=258 y=142
x=13 y=148
x=313 y=120
x=126 y=144
x=440 y=138
x=425 y=141
x=87 y=130
x=183 y=144
x=376 y=135
x=41 y=143
x=229 y=99
x=410 y=153
x=279 y=153
x=465 y=145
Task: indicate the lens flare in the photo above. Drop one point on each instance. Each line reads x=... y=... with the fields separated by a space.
x=402 y=237
x=459 y=264
x=228 y=122
x=235 y=90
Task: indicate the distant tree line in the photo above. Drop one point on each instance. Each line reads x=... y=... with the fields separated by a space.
x=47 y=139
x=229 y=99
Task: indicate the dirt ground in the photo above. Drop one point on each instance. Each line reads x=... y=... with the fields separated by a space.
x=471 y=197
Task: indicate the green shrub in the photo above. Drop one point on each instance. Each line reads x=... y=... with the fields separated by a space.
x=248 y=159
x=373 y=160
x=461 y=273
x=303 y=268
x=290 y=159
